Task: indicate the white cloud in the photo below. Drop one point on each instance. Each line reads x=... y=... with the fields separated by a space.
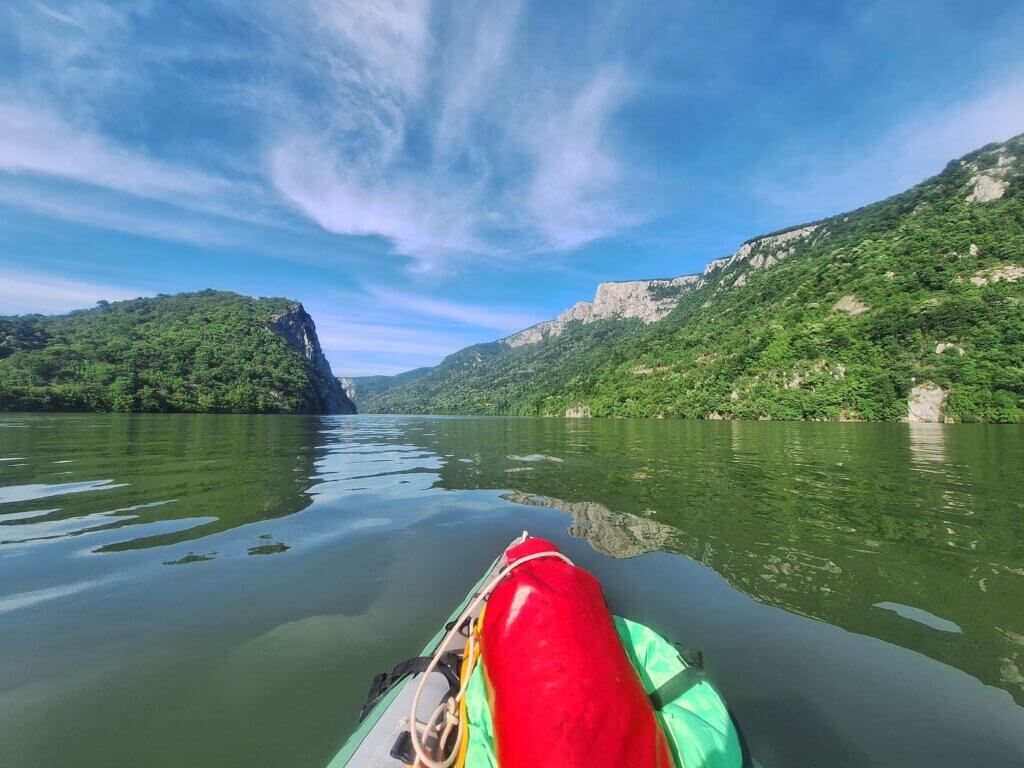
x=101 y=212
x=464 y=149
x=417 y=218
x=502 y=320
x=919 y=146
x=471 y=71
x=39 y=141
x=398 y=119
x=380 y=326
x=359 y=343
x=27 y=292
x=571 y=194
x=344 y=337
x=927 y=141
x=389 y=39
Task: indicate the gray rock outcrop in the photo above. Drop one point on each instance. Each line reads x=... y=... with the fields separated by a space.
x=298 y=330
x=646 y=300
x=851 y=305
x=990 y=184
x=652 y=300
x=926 y=403
x=1011 y=273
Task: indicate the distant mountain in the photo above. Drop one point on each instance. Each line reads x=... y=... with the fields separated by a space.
x=368 y=387
x=909 y=308
x=211 y=351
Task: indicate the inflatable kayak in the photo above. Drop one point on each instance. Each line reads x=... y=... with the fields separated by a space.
x=533 y=670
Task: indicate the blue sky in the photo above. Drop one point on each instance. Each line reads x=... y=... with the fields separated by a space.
x=427 y=175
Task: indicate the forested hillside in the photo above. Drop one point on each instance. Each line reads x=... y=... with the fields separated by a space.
x=369 y=387
x=910 y=307
x=211 y=351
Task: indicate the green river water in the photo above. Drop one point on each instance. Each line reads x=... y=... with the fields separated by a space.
x=200 y=591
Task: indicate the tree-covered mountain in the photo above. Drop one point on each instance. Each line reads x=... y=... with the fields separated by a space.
x=368 y=387
x=907 y=308
x=211 y=351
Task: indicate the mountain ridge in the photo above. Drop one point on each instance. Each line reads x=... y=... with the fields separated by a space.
x=962 y=226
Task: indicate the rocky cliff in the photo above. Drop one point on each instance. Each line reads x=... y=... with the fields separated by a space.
x=652 y=300
x=298 y=330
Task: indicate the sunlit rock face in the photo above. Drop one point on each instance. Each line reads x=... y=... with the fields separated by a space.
x=851 y=305
x=1011 y=273
x=926 y=402
x=652 y=300
x=578 y=412
x=645 y=300
x=989 y=184
x=762 y=252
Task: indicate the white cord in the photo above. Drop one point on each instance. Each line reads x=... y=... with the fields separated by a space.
x=448 y=708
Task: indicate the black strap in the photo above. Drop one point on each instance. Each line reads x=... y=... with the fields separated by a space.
x=683 y=681
x=463 y=628
x=675 y=687
x=420 y=663
x=402 y=750
x=383 y=682
x=690 y=675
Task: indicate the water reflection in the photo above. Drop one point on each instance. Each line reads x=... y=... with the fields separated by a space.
x=823 y=520
x=928 y=446
x=611 y=533
x=177 y=479
x=320 y=549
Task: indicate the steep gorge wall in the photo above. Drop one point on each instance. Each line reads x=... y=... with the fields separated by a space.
x=298 y=330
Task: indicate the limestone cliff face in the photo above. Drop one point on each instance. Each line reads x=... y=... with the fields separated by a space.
x=296 y=327
x=349 y=385
x=652 y=300
x=926 y=403
x=647 y=300
x=989 y=183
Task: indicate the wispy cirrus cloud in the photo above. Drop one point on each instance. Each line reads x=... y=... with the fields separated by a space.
x=577 y=167
x=911 y=150
x=38 y=141
x=344 y=337
x=435 y=127
x=368 y=330
x=505 y=320
x=455 y=147
x=113 y=213
x=362 y=340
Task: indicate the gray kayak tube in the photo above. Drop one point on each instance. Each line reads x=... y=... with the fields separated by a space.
x=381 y=740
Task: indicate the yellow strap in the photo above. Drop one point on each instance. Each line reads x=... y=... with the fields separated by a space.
x=469 y=660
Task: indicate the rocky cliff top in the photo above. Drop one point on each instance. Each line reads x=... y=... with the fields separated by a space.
x=652 y=300
x=298 y=330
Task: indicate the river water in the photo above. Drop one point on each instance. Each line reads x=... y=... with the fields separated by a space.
x=219 y=590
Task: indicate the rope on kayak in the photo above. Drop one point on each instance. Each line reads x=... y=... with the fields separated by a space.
x=450 y=709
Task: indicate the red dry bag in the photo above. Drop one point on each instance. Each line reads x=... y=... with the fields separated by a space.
x=561 y=689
